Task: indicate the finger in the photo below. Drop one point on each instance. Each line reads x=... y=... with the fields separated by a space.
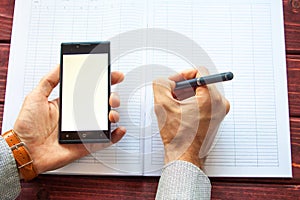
x=211 y=91
x=184 y=75
x=116 y=77
x=162 y=89
x=80 y=150
x=202 y=71
x=114 y=100
x=49 y=82
x=117 y=134
x=184 y=93
x=113 y=116
x=227 y=105
x=56 y=102
x=202 y=89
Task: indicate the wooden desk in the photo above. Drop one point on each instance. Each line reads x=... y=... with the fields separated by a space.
x=106 y=187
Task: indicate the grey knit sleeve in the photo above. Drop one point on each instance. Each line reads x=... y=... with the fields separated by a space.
x=9 y=178
x=183 y=180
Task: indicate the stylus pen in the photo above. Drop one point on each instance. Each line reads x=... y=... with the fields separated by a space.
x=226 y=76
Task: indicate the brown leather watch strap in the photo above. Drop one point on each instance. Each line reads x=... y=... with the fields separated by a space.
x=21 y=154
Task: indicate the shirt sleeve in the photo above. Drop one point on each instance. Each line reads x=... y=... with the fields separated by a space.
x=183 y=180
x=10 y=186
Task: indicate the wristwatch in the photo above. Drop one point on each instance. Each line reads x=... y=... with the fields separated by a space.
x=21 y=154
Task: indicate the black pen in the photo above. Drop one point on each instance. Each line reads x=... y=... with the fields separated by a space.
x=226 y=76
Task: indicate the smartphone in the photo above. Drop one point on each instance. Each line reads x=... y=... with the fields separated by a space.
x=84 y=92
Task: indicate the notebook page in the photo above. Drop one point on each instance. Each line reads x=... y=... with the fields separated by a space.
x=45 y=24
x=245 y=38
x=175 y=16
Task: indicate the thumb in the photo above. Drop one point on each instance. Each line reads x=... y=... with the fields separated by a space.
x=117 y=134
x=162 y=90
x=49 y=82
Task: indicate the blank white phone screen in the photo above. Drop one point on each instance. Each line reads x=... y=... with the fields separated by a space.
x=84 y=92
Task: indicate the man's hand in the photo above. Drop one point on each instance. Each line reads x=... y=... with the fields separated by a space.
x=189 y=119
x=37 y=126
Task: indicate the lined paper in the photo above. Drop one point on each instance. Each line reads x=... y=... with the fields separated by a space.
x=245 y=37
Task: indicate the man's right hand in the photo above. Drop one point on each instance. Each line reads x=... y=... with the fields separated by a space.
x=188 y=120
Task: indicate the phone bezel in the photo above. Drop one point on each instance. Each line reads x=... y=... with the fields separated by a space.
x=88 y=136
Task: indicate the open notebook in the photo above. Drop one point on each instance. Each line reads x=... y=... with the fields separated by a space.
x=245 y=37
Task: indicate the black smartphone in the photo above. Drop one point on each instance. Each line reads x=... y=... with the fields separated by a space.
x=84 y=92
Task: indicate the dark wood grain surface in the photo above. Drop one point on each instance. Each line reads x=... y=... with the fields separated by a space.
x=107 y=187
x=6 y=18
